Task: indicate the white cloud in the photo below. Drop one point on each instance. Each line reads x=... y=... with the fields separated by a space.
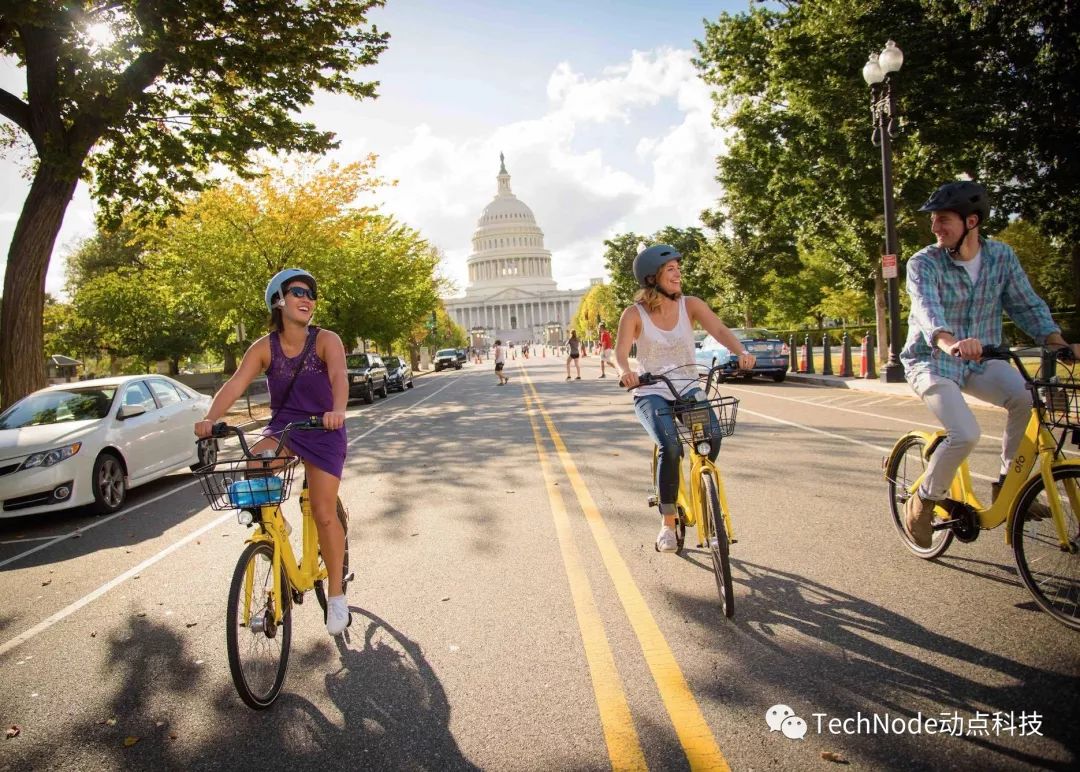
x=580 y=194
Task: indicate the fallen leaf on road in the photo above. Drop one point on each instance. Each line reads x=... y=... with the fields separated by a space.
x=417 y=533
x=446 y=598
x=833 y=757
x=509 y=491
x=190 y=624
x=135 y=577
x=46 y=583
x=172 y=735
x=111 y=721
x=127 y=552
x=141 y=614
x=159 y=723
x=93 y=633
x=129 y=741
x=14 y=731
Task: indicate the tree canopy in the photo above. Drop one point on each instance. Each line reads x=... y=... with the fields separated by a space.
x=144 y=98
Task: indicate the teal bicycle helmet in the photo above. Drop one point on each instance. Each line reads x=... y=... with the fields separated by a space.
x=281 y=278
x=650 y=260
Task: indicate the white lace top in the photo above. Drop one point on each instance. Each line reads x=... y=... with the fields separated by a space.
x=666 y=352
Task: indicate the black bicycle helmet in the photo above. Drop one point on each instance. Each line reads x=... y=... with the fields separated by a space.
x=964 y=198
x=650 y=260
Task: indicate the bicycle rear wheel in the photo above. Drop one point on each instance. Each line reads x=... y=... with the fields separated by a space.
x=1050 y=573
x=905 y=466
x=320 y=589
x=258 y=649
x=718 y=543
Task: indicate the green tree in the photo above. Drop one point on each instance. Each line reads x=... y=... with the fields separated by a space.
x=597 y=305
x=227 y=242
x=1048 y=267
x=620 y=251
x=179 y=89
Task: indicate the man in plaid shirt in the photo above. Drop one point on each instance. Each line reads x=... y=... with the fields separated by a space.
x=959 y=288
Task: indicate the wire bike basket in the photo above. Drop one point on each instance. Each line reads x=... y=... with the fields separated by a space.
x=711 y=419
x=1060 y=402
x=247 y=482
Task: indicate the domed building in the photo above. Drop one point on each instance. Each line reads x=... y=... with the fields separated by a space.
x=510 y=293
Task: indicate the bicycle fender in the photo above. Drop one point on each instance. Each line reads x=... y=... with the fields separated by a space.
x=929 y=438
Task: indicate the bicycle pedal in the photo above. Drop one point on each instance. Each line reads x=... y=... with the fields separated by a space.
x=653 y=501
x=349 y=577
x=298 y=597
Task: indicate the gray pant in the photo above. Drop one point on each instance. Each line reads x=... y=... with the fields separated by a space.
x=1000 y=384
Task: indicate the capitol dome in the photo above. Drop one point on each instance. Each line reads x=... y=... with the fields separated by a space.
x=511 y=294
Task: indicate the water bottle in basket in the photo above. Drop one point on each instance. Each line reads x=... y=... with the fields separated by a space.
x=255 y=492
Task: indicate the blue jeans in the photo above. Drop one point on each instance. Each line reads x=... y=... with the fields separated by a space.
x=653 y=411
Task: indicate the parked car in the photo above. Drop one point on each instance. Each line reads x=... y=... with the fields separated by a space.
x=446 y=358
x=367 y=376
x=771 y=352
x=90 y=442
x=462 y=356
x=398 y=373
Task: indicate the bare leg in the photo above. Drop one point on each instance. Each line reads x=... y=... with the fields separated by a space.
x=323 y=490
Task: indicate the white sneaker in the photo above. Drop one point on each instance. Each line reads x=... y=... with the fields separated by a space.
x=337 y=615
x=666 y=541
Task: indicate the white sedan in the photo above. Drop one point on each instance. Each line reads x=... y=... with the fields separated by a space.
x=89 y=442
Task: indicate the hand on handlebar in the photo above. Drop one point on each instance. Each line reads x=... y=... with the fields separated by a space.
x=746 y=361
x=969 y=349
x=204 y=429
x=629 y=380
x=333 y=420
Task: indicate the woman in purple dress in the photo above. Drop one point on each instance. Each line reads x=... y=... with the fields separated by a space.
x=316 y=359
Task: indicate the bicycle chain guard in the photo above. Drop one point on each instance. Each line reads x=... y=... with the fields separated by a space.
x=964 y=522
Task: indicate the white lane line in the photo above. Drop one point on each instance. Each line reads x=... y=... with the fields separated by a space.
x=96 y=523
x=83 y=601
x=399 y=413
x=836 y=436
x=26 y=541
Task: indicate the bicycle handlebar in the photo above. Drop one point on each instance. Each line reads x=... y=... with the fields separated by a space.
x=648 y=379
x=1049 y=356
x=222 y=429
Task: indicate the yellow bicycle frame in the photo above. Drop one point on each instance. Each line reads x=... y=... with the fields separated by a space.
x=690 y=499
x=1038 y=444
x=301 y=576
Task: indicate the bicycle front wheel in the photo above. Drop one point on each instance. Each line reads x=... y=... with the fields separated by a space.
x=320 y=588
x=905 y=466
x=718 y=543
x=1051 y=573
x=258 y=646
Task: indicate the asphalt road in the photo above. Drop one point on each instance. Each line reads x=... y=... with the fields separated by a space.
x=510 y=612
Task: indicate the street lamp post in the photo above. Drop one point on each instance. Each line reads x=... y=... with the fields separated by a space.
x=883 y=113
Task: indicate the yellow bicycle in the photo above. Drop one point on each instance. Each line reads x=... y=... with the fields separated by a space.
x=268 y=578
x=1039 y=510
x=702 y=419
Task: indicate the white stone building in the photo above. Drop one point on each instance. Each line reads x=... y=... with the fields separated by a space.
x=510 y=293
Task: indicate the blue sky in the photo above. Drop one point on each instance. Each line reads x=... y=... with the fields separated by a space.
x=605 y=126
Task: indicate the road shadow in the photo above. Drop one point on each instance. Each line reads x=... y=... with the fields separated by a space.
x=822 y=650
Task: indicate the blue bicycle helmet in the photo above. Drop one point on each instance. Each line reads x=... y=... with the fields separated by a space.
x=650 y=260
x=281 y=278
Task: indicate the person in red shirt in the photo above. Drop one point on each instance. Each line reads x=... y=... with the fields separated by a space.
x=606 y=347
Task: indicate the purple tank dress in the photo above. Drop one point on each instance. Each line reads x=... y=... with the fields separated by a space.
x=311 y=395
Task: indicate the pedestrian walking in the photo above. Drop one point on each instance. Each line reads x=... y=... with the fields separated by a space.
x=574 y=346
x=500 y=362
x=606 y=347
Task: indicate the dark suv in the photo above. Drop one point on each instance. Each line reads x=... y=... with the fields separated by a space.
x=398 y=373
x=367 y=376
x=446 y=358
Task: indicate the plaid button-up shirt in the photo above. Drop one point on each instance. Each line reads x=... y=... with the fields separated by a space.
x=944 y=299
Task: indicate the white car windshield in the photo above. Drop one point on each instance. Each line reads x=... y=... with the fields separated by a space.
x=53 y=407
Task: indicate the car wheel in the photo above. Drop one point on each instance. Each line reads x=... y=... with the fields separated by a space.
x=208 y=450
x=369 y=394
x=108 y=483
x=383 y=391
x=409 y=384
x=779 y=377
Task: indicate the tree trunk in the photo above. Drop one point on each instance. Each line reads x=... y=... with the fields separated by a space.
x=230 y=360
x=881 y=339
x=22 y=361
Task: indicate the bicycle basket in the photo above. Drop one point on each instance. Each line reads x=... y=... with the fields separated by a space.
x=1061 y=406
x=246 y=483
x=693 y=420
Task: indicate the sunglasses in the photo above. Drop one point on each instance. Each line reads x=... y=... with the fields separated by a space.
x=301 y=292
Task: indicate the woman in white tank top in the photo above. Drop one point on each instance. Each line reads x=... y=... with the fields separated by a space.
x=661 y=322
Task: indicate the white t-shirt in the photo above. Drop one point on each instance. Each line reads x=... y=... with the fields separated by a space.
x=500 y=355
x=971 y=266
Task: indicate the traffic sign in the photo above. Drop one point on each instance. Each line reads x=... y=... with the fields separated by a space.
x=888 y=266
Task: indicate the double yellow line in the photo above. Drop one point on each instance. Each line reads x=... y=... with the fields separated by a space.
x=624 y=746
